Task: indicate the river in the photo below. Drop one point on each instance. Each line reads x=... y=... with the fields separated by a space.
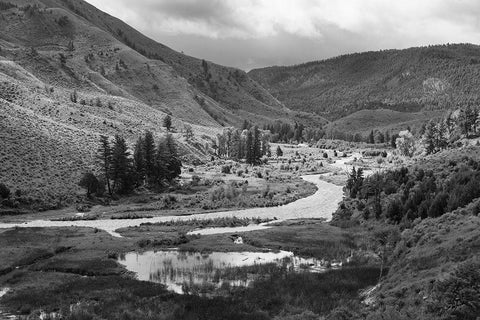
x=319 y=205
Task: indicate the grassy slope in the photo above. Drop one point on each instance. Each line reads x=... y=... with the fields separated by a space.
x=230 y=94
x=433 y=76
x=429 y=252
x=382 y=119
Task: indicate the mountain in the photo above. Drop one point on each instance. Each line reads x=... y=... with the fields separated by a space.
x=70 y=73
x=410 y=80
x=364 y=121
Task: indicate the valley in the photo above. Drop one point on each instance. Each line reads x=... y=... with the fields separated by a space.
x=138 y=182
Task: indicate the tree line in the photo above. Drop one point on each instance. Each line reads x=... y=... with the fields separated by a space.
x=249 y=144
x=438 y=135
x=151 y=165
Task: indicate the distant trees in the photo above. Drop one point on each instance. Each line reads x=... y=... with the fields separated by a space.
x=468 y=120
x=354 y=181
x=435 y=137
x=249 y=144
x=405 y=143
x=151 y=166
x=286 y=132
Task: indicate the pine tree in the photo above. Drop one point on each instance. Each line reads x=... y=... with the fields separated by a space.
x=174 y=165
x=150 y=154
x=167 y=122
x=104 y=154
x=188 y=133
x=139 y=161
x=249 y=157
x=161 y=163
x=279 y=152
x=121 y=167
x=236 y=148
x=429 y=137
x=256 y=147
x=371 y=138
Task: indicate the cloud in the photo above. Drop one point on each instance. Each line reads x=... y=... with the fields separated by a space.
x=293 y=31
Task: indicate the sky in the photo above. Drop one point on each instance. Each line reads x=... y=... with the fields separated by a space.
x=250 y=34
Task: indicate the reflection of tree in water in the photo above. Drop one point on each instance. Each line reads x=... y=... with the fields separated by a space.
x=196 y=273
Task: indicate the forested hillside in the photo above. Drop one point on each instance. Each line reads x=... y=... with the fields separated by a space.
x=411 y=80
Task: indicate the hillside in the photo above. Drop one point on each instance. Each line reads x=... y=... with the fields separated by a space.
x=364 y=121
x=101 y=53
x=410 y=80
x=123 y=82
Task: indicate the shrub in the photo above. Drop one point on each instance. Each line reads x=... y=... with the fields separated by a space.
x=226 y=169
x=457 y=297
x=4 y=191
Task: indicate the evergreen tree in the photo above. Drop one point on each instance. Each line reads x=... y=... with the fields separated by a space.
x=167 y=122
x=149 y=154
x=121 y=167
x=104 y=154
x=139 y=161
x=279 y=152
x=429 y=137
x=371 y=138
x=188 y=133
x=249 y=157
x=257 y=151
x=161 y=163
x=246 y=125
x=90 y=183
x=236 y=147
x=174 y=165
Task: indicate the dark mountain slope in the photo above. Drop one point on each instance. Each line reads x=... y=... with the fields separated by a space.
x=409 y=80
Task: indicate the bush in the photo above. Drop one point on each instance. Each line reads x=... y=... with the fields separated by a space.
x=226 y=169
x=457 y=297
x=4 y=191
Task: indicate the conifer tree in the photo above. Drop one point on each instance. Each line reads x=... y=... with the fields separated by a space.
x=161 y=162
x=257 y=151
x=150 y=154
x=371 y=138
x=104 y=154
x=167 y=122
x=174 y=165
x=139 y=161
x=249 y=157
x=121 y=167
x=279 y=152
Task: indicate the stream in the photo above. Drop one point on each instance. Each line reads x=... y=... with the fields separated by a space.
x=319 y=205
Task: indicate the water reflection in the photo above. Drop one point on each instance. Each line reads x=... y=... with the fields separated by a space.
x=188 y=272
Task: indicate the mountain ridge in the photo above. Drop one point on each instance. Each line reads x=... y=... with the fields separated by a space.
x=414 y=79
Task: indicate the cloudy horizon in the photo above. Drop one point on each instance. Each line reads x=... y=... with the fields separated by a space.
x=258 y=33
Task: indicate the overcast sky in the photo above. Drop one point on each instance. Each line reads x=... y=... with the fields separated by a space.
x=256 y=33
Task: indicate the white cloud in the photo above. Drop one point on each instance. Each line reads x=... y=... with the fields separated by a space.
x=360 y=24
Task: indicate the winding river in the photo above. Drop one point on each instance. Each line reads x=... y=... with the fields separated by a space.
x=319 y=205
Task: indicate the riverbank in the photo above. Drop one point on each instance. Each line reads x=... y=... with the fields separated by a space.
x=80 y=258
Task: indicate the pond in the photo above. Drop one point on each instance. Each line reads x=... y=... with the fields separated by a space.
x=186 y=272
